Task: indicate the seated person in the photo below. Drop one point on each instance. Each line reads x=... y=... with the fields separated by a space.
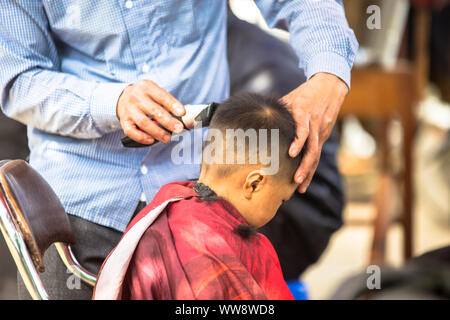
x=199 y=240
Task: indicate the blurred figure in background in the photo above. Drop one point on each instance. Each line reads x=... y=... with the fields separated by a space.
x=425 y=276
x=422 y=278
x=440 y=50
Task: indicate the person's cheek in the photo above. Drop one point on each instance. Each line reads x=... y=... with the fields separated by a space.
x=273 y=209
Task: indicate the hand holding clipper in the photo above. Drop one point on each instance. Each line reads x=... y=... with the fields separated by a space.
x=196 y=114
x=144 y=103
x=137 y=136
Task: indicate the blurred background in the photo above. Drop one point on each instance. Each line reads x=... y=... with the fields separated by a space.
x=394 y=142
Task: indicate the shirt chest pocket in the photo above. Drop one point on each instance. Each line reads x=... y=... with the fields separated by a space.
x=176 y=23
x=85 y=25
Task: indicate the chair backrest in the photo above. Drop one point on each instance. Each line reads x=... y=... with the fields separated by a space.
x=36 y=210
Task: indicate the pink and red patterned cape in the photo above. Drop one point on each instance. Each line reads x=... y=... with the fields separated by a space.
x=182 y=247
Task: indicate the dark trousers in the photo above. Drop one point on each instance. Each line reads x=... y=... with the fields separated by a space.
x=94 y=243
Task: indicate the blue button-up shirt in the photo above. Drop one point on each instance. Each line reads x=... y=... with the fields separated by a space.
x=64 y=63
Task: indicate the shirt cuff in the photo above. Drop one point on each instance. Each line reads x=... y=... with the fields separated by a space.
x=329 y=62
x=103 y=105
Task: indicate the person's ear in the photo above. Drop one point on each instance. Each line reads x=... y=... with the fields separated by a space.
x=254 y=182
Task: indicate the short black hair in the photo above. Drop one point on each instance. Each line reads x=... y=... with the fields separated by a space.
x=254 y=111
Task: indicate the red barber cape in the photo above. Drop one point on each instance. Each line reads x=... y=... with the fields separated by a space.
x=182 y=247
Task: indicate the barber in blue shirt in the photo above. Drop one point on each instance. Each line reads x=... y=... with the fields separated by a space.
x=82 y=73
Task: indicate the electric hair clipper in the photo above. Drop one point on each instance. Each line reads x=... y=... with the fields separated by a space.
x=196 y=115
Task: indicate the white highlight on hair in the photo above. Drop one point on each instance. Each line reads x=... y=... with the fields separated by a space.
x=237 y=151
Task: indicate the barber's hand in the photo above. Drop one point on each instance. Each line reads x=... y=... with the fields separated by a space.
x=144 y=100
x=315 y=107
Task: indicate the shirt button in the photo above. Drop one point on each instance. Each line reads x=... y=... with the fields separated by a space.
x=144 y=170
x=143 y=198
x=129 y=4
x=145 y=68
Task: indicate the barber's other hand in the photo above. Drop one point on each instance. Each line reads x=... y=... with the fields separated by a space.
x=143 y=101
x=315 y=107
